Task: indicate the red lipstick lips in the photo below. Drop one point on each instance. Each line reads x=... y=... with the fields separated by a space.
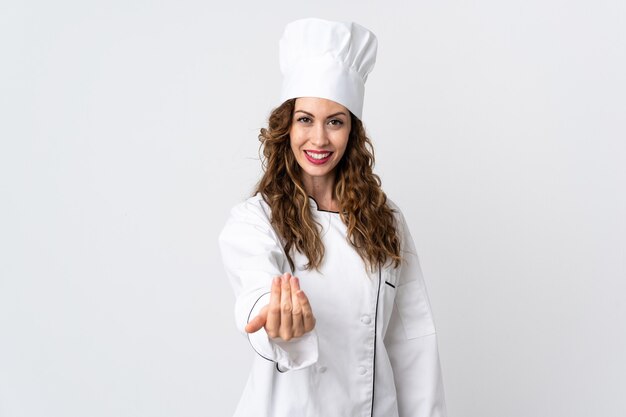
x=314 y=156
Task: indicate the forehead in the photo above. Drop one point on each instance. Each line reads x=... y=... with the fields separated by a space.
x=318 y=105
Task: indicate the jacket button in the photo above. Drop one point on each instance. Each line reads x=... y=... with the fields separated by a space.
x=366 y=320
x=362 y=370
x=321 y=369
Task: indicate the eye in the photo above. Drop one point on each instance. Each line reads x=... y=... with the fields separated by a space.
x=336 y=122
x=304 y=119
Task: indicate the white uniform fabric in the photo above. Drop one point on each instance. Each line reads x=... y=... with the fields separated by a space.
x=373 y=351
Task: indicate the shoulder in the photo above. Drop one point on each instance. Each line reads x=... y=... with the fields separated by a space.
x=248 y=219
x=397 y=212
x=248 y=241
x=393 y=206
x=402 y=227
x=252 y=208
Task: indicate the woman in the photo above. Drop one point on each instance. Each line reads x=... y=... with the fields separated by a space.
x=328 y=285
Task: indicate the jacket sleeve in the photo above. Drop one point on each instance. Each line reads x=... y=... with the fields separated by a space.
x=411 y=340
x=252 y=256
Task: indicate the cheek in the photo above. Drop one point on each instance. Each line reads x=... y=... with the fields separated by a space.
x=294 y=152
x=294 y=139
x=342 y=144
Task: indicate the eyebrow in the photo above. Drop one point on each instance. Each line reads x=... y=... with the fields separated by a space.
x=332 y=115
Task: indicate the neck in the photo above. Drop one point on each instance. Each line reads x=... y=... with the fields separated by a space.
x=321 y=189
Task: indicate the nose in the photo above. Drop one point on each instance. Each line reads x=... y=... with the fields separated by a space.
x=319 y=137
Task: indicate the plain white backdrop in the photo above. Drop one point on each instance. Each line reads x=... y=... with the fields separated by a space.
x=129 y=128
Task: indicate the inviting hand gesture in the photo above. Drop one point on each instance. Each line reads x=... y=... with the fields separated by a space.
x=288 y=314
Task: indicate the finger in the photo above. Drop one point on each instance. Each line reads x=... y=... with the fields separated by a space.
x=307 y=312
x=286 y=309
x=297 y=322
x=295 y=302
x=272 y=324
x=257 y=322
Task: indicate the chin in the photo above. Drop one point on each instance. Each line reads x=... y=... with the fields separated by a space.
x=320 y=172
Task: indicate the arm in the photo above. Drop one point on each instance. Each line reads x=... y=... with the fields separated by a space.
x=252 y=256
x=411 y=340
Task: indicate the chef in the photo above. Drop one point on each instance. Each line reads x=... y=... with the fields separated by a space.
x=328 y=285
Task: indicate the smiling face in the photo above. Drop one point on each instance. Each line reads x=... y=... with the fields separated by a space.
x=319 y=135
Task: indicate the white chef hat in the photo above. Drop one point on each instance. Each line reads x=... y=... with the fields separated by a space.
x=322 y=58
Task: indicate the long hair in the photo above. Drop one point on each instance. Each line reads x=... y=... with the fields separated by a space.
x=363 y=207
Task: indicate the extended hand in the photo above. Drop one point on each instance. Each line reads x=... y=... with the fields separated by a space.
x=288 y=314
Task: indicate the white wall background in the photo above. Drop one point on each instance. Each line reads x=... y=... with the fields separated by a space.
x=128 y=130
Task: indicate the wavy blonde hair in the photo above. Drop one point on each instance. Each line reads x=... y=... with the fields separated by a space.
x=363 y=207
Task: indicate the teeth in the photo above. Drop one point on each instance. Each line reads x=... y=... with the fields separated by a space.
x=318 y=155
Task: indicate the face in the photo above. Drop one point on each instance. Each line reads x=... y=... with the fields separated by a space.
x=319 y=135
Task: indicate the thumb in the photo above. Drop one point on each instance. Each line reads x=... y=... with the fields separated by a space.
x=257 y=322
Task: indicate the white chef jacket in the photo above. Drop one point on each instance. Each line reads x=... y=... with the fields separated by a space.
x=373 y=351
